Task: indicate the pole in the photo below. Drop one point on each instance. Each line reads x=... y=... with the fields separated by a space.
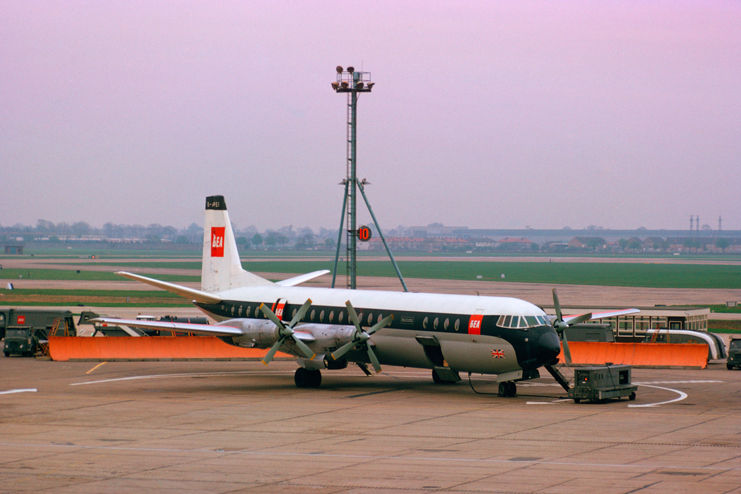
x=383 y=239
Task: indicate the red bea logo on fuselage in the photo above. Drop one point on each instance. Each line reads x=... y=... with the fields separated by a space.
x=217 y=241
x=474 y=324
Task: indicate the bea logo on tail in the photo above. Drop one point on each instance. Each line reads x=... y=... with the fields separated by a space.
x=217 y=241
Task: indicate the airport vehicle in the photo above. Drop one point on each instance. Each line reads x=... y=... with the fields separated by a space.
x=734 y=353
x=600 y=383
x=329 y=328
x=27 y=328
x=716 y=345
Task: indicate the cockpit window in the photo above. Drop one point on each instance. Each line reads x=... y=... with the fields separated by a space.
x=522 y=322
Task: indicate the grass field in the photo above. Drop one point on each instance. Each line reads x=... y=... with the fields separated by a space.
x=598 y=273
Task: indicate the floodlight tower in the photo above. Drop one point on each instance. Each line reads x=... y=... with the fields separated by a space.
x=353 y=83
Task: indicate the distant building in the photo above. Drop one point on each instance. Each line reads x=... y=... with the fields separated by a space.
x=14 y=249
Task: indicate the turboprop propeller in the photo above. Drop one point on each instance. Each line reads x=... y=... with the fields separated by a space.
x=361 y=337
x=560 y=325
x=286 y=332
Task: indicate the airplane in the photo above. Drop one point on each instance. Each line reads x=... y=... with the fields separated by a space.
x=328 y=328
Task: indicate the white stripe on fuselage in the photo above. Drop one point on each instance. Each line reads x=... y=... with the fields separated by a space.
x=385 y=301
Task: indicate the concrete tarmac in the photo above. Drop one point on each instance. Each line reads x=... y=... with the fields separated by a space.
x=227 y=427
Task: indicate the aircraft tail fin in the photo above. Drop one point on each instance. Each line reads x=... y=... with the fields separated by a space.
x=222 y=268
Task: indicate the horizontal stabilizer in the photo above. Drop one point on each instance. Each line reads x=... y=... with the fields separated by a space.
x=205 y=329
x=189 y=293
x=297 y=280
x=601 y=315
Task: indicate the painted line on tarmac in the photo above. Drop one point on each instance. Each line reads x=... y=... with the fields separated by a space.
x=91 y=370
x=682 y=396
x=13 y=391
x=178 y=376
x=548 y=402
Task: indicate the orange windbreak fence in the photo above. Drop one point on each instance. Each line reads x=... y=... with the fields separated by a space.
x=149 y=348
x=208 y=347
x=638 y=354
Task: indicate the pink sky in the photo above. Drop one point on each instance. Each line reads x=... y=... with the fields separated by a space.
x=486 y=114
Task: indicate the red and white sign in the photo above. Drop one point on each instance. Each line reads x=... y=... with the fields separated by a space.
x=21 y=319
x=474 y=324
x=217 y=241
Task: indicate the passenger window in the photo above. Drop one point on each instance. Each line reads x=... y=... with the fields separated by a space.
x=446 y=324
x=239 y=312
x=380 y=318
x=321 y=316
x=457 y=324
x=313 y=313
x=434 y=323
x=331 y=316
x=249 y=311
x=370 y=319
x=293 y=314
x=424 y=323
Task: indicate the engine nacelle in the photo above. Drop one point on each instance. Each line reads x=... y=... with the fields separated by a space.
x=258 y=333
x=263 y=333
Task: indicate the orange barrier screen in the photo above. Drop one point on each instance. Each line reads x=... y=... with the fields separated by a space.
x=638 y=354
x=154 y=347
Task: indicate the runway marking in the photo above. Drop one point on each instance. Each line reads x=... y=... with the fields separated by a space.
x=640 y=383
x=174 y=376
x=548 y=402
x=682 y=396
x=13 y=391
x=330 y=456
x=91 y=370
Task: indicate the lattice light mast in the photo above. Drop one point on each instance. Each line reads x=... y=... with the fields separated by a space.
x=351 y=82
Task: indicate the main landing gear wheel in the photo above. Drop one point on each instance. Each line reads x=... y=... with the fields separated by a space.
x=508 y=388
x=305 y=378
x=439 y=380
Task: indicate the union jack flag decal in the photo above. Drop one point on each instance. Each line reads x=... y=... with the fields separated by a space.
x=497 y=353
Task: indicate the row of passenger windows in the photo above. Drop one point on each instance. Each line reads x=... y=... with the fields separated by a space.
x=522 y=322
x=446 y=324
x=341 y=318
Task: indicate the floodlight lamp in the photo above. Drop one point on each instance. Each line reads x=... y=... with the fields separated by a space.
x=351 y=69
x=371 y=84
x=335 y=86
x=359 y=85
x=344 y=84
x=339 y=69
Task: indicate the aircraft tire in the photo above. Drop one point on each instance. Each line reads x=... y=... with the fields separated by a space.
x=307 y=378
x=502 y=389
x=511 y=389
x=438 y=379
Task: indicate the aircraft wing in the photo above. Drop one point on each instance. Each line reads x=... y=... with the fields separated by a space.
x=197 y=295
x=600 y=315
x=296 y=280
x=205 y=329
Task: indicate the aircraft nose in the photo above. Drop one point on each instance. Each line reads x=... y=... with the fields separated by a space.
x=549 y=346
